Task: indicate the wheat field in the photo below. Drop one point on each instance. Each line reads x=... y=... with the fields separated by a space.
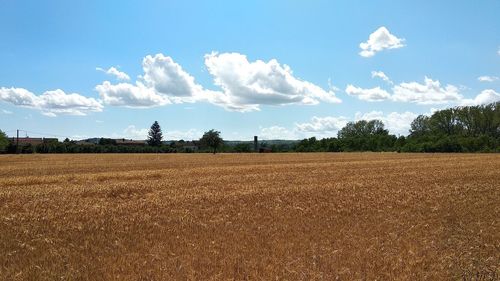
x=316 y=216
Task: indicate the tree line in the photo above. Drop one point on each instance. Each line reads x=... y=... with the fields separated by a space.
x=459 y=129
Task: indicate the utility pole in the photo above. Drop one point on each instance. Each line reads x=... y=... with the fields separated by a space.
x=17 y=142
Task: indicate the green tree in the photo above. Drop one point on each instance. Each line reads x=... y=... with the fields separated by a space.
x=420 y=126
x=155 y=135
x=366 y=135
x=444 y=122
x=362 y=128
x=4 y=141
x=459 y=129
x=212 y=140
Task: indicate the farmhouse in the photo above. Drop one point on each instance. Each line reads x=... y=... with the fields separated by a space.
x=32 y=141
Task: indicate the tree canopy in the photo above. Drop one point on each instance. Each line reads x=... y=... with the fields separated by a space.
x=459 y=129
x=365 y=136
x=362 y=128
x=212 y=139
x=4 y=141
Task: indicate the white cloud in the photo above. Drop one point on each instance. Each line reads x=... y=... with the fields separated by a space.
x=168 y=78
x=248 y=85
x=128 y=95
x=381 y=75
x=379 y=40
x=131 y=132
x=245 y=85
x=51 y=103
x=277 y=132
x=49 y=114
x=227 y=102
x=19 y=96
x=430 y=92
x=487 y=78
x=164 y=82
x=322 y=125
x=373 y=94
x=115 y=72
x=485 y=97
x=191 y=134
x=396 y=123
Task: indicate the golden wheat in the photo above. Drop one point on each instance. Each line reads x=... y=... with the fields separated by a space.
x=359 y=216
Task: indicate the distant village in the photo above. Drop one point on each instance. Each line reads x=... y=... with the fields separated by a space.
x=179 y=145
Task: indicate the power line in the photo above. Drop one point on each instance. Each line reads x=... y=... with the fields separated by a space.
x=47 y=134
x=42 y=134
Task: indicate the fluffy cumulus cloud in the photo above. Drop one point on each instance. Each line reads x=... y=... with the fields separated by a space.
x=373 y=94
x=168 y=78
x=430 y=92
x=191 y=134
x=164 y=82
x=396 y=123
x=132 y=132
x=485 y=97
x=322 y=125
x=381 y=75
x=380 y=40
x=248 y=84
x=277 y=132
x=317 y=127
x=245 y=86
x=487 y=78
x=130 y=95
x=51 y=103
x=114 y=72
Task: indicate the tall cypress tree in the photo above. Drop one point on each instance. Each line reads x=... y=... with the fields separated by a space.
x=155 y=136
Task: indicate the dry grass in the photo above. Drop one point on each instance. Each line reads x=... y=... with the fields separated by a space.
x=250 y=217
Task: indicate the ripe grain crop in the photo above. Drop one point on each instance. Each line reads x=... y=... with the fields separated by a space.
x=317 y=216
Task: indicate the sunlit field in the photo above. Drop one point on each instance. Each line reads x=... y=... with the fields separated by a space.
x=317 y=216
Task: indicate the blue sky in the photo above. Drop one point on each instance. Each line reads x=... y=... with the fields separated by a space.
x=277 y=69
